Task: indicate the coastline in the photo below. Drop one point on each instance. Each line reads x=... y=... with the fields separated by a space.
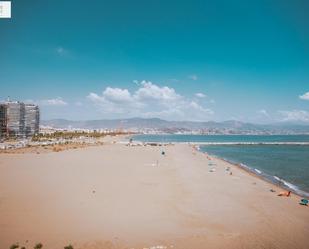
x=275 y=180
x=252 y=172
x=117 y=196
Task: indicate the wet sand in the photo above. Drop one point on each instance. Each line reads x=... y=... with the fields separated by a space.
x=116 y=196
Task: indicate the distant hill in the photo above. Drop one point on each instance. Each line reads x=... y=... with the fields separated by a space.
x=231 y=126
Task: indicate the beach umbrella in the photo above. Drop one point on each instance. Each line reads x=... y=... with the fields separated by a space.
x=303 y=202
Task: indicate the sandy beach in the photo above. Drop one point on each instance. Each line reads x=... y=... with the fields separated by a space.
x=117 y=196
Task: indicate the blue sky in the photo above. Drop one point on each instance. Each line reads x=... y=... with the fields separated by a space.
x=178 y=60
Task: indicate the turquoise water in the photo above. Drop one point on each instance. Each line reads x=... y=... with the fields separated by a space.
x=290 y=163
x=283 y=164
x=222 y=138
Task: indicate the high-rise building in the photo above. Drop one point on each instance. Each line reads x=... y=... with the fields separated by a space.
x=32 y=119
x=18 y=119
x=15 y=120
x=3 y=127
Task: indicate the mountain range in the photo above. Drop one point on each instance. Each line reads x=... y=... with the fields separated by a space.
x=225 y=127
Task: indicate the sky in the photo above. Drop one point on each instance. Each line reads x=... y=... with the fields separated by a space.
x=176 y=60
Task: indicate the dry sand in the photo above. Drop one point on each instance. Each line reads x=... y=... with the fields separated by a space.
x=38 y=149
x=115 y=196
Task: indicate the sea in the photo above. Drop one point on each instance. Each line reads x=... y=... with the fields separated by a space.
x=280 y=159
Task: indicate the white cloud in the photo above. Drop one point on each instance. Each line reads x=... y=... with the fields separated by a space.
x=195 y=107
x=200 y=95
x=295 y=115
x=263 y=112
x=150 y=91
x=193 y=77
x=117 y=95
x=54 y=102
x=149 y=100
x=305 y=96
x=114 y=100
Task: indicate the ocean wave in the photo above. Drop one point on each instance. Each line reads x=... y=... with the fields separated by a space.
x=290 y=185
x=245 y=166
x=272 y=178
x=258 y=171
x=277 y=178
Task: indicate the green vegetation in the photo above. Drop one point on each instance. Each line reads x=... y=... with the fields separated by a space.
x=69 y=247
x=73 y=134
x=38 y=246
x=14 y=246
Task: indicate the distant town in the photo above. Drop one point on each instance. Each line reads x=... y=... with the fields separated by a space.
x=20 y=126
x=160 y=126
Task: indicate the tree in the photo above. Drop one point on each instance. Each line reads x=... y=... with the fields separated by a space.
x=69 y=247
x=38 y=246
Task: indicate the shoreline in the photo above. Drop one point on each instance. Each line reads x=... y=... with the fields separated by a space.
x=276 y=181
x=281 y=183
x=125 y=139
x=252 y=172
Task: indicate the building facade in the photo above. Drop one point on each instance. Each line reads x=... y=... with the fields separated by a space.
x=15 y=119
x=3 y=126
x=18 y=120
x=32 y=119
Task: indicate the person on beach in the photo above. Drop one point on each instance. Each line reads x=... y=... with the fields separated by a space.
x=285 y=193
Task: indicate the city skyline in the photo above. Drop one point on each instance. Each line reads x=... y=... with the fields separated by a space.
x=196 y=60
